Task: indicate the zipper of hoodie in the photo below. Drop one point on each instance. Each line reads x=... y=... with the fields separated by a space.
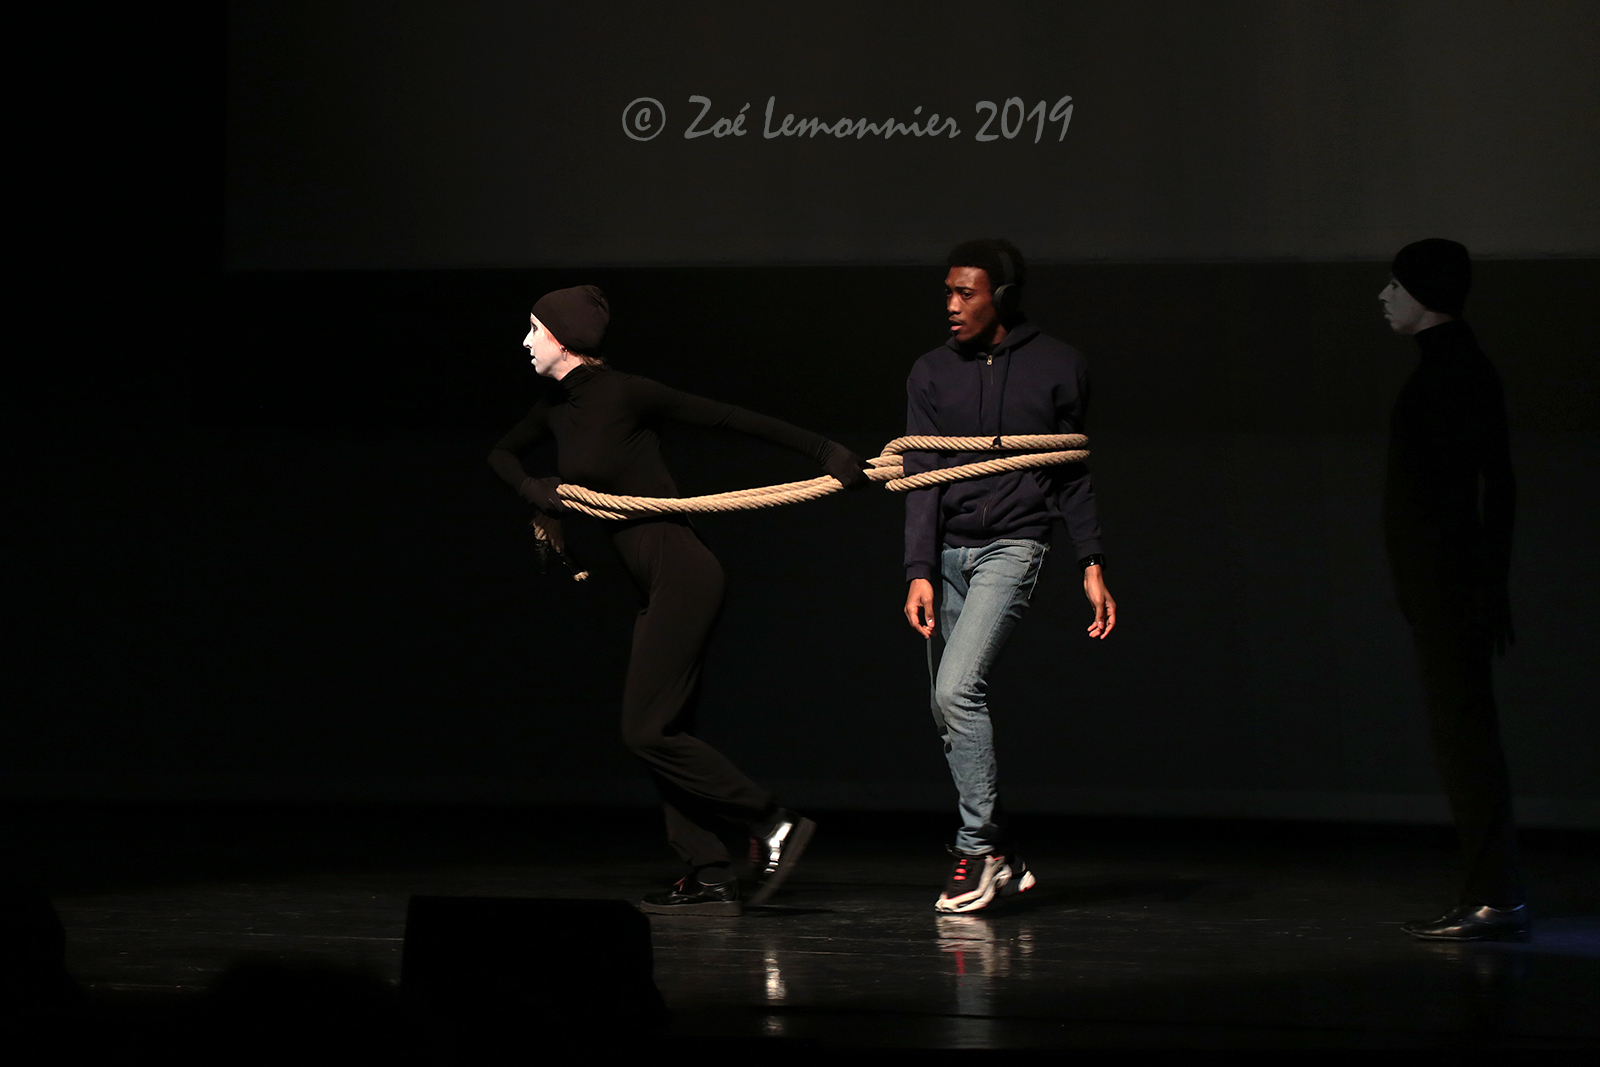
x=983 y=516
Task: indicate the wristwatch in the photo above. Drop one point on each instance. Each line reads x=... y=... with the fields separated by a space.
x=1092 y=560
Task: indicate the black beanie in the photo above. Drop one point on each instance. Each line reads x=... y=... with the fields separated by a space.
x=1437 y=272
x=576 y=317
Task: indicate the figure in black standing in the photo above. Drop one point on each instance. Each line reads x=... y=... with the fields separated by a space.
x=1449 y=505
x=604 y=424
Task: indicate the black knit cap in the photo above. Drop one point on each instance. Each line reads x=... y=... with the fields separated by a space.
x=1437 y=272
x=576 y=317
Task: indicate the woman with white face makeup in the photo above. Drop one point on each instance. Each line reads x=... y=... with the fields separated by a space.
x=604 y=425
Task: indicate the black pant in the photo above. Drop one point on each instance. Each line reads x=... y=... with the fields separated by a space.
x=1454 y=659
x=682 y=585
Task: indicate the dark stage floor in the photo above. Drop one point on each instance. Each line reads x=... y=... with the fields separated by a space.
x=1142 y=933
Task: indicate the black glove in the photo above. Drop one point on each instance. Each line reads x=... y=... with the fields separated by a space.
x=541 y=493
x=844 y=465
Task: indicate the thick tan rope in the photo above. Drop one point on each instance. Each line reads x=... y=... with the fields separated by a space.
x=886 y=467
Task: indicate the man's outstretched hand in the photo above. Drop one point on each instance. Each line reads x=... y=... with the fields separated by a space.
x=1105 y=609
x=919 y=606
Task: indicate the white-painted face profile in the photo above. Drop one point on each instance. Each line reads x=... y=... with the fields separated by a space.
x=548 y=357
x=1402 y=311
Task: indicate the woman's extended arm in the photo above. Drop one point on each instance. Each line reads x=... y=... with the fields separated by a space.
x=658 y=399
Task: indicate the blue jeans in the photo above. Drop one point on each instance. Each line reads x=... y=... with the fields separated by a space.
x=982 y=594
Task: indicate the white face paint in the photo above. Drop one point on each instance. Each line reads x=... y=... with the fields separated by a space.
x=548 y=357
x=1404 y=313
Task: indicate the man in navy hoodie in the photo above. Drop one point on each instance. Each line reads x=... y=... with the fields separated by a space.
x=984 y=540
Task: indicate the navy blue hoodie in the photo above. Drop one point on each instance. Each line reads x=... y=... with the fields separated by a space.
x=1029 y=383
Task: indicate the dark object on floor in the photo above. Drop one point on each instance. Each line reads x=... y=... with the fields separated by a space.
x=493 y=970
x=33 y=947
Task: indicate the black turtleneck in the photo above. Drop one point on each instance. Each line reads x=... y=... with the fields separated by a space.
x=1446 y=436
x=605 y=427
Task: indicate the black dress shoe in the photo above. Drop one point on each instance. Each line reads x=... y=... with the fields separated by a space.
x=1468 y=922
x=775 y=849
x=690 y=896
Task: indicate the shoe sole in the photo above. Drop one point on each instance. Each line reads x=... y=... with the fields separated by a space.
x=800 y=837
x=1509 y=935
x=718 y=908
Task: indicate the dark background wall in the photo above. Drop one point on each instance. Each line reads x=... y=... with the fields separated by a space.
x=262 y=557
x=409 y=133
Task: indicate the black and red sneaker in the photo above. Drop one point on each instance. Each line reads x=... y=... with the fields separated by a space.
x=690 y=896
x=977 y=878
